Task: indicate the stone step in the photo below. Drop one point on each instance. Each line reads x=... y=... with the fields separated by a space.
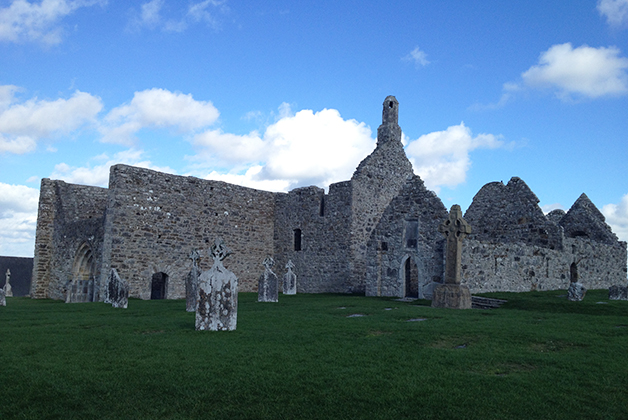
x=479 y=302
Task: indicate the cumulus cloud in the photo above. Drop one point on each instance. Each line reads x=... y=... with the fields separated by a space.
x=97 y=172
x=615 y=11
x=585 y=71
x=617 y=217
x=157 y=108
x=23 y=125
x=18 y=219
x=40 y=22
x=441 y=158
x=251 y=179
x=418 y=57
x=151 y=16
x=307 y=148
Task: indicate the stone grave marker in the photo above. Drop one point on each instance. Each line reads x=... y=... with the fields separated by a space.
x=618 y=293
x=217 y=296
x=290 y=280
x=3 y=300
x=8 y=291
x=576 y=290
x=191 y=282
x=452 y=294
x=117 y=291
x=268 y=285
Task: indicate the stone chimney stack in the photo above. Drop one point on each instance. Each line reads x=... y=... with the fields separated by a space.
x=389 y=130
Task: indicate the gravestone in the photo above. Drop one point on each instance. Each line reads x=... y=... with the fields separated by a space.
x=3 y=300
x=117 y=291
x=8 y=292
x=217 y=300
x=576 y=290
x=290 y=280
x=191 y=282
x=618 y=293
x=452 y=294
x=268 y=285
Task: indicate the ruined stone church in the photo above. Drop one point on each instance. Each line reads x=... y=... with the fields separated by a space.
x=375 y=234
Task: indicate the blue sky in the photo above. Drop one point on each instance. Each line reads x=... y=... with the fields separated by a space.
x=276 y=95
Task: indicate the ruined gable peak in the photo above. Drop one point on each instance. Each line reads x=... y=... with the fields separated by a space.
x=389 y=130
x=518 y=187
x=584 y=203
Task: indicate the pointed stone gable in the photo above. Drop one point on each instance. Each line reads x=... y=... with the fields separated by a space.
x=511 y=213
x=585 y=220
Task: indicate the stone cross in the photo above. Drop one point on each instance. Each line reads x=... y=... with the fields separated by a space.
x=219 y=251
x=268 y=263
x=290 y=280
x=7 y=286
x=191 y=282
x=455 y=228
x=268 y=284
x=194 y=256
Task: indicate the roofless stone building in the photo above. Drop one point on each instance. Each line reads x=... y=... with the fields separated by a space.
x=375 y=234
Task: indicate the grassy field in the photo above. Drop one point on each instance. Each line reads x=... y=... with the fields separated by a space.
x=537 y=357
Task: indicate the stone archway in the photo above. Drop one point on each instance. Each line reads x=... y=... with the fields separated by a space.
x=81 y=287
x=411 y=278
x=158 y=286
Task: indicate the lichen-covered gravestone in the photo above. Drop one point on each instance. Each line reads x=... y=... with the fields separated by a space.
x=8 y=291
x=452 y=294
x=268 y=285
x=217 y=300
x=191 y=282
x=117 y=292
x=290 y=280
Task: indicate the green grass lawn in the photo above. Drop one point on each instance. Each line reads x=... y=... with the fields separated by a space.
x=537 y=357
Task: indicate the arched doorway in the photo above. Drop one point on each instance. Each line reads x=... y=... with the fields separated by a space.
x=81 y=287
x=158 y=286
x=411 y=275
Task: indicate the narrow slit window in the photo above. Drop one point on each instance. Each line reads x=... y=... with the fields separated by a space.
x=297 y=239
x=322 y=209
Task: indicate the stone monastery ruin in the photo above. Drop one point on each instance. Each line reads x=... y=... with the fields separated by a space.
x=376 y=234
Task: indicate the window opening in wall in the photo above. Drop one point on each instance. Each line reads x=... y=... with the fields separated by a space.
x=158 y=286
x=412 y=279
x=322 y=209
x=411 y=233
x=384 y=246
x=573 y=272
x=297 y=239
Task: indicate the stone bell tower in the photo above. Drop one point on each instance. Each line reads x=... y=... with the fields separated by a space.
x=389 y=130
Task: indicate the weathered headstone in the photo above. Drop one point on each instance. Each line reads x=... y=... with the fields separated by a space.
x=217 y=301
x=452 y=294
x=268 y=285
x=290 y=280
x=3 y=301
x=618 y=293
x=117 y=291
x=191 y=282
x=8 y=291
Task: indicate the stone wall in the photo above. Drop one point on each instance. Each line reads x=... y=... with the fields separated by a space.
x=70 y=217
x=154 y=220
x=408 y=229
x=324 y=220
x=517 y=267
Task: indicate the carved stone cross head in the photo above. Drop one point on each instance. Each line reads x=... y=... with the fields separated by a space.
x=219 y=250
x=194 y=256
x=289 y=265
x=268 y=262
x=455 y=227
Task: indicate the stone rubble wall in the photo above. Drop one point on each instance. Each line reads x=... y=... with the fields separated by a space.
x=518 y=267
x=69 y=216
x=322 y=264
x=154 y=220
x=387 y=248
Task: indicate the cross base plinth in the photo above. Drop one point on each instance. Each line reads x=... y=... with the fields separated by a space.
x=452 y=296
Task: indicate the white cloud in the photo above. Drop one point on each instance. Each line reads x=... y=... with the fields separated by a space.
x=18 y=219
x=40 y=22
x=617 y=217
x=441 y=158
x=587 y=71
x=157 y=108
x=98 y=173
x=418 y=57
x=150 y=16
x=23 y=125
x=615 y=11
x=307 y=148
x=251 y=179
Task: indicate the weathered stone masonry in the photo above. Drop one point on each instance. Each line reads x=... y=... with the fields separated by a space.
x=376 y=233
